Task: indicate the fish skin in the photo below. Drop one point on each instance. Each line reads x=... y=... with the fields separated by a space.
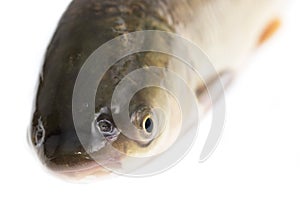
x=87 y=24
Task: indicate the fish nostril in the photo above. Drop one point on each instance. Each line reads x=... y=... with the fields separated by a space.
x=108 y=130
x=105 y=126
x=39 y=133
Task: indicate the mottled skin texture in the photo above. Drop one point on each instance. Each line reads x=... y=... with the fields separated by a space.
x=85 y=26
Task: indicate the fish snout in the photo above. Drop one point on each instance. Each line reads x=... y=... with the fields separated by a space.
x=59 y=151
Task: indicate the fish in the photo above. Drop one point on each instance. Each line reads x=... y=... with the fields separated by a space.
x=227 y=31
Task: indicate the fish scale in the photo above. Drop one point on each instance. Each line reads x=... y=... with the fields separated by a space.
x=227 y=31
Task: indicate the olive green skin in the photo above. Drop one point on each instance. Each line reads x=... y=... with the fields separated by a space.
x=85 y=26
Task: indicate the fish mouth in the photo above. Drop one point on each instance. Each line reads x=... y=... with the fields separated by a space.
x=92 y=169
x=79 y=165
x=73 y=166
x=64 y=156
x=75 y=171
x=69 y=159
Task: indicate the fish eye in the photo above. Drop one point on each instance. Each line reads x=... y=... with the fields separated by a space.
x=148 y=124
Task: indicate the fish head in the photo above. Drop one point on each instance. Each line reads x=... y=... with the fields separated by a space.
x=106 y=144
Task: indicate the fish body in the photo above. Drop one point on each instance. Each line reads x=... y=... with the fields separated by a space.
x=227 y=31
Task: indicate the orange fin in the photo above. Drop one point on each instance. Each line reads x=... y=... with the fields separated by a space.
x=270 y=30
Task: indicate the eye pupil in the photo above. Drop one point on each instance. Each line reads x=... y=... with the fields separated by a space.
x=148 y=125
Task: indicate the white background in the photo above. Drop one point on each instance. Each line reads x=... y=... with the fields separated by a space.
x=256 y=163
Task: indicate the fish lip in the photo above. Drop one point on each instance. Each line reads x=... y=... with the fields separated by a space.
x=78 y=172
x=80 y=169
x=87 y=166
